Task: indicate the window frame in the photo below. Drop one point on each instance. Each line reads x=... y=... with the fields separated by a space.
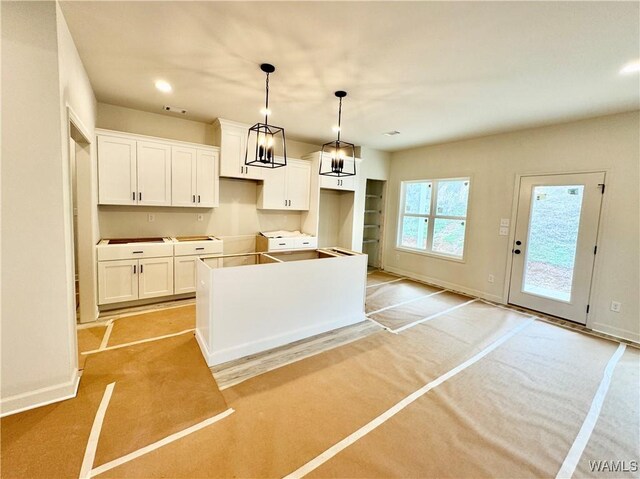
x=432 y=216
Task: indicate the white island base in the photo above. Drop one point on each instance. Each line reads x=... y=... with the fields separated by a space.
x=250 y=303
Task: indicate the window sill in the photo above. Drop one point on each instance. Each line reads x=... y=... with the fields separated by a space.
x=431 y=255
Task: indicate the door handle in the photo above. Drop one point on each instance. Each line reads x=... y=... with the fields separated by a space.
x=516 y=251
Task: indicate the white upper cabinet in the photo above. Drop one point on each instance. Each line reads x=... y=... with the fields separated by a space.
x=286 y=188
x=232 y=138
x=207 y=184
x=117 y=171
x=347 y=183
x=154 y=173
x=139 y=170
x=183 y=168
x=194 y=173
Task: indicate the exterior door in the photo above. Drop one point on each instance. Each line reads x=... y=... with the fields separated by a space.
x=555 y=243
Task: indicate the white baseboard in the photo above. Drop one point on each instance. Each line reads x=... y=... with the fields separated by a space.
x=40 y=397
x=264 y=344
x=445 y=284
x=617 y=332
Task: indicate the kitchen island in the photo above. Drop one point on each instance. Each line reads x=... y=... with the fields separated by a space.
x=249 y=303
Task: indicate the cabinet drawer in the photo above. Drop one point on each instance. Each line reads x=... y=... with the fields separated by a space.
x=197 y=248
x=281 y=243
x=134 y=251
x=308 y=242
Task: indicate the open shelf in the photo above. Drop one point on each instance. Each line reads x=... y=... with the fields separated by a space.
x=367 y=241
x=372 y=226
x=373 y=196
x=372 y=211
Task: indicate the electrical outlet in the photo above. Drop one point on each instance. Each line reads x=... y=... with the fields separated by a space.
x=615 y=306
x=504 y=231
x=490 y=278
x=200 y=217
x=151 y=217
x=504 y=221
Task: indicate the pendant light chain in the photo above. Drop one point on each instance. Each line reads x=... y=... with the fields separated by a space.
x=339 y=117
x=266 y=106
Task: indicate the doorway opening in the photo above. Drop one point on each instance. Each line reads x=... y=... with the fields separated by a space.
x=555 y=243
x=373 y=232
x=80 y=201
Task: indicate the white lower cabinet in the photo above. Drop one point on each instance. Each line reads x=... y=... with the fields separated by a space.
x=184 y=268
x=130 y=279
x=117 y=281
x=155 y=277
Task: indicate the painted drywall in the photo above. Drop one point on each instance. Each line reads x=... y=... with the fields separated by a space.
x=375 y=165
x=38 y=352
x=78 y=102
x=610 y=143
x=237 y=214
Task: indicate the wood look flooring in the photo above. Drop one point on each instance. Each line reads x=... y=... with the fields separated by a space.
x=510 y=393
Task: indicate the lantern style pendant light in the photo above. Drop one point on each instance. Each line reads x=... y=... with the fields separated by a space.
x=338 y=157
x=266 y=145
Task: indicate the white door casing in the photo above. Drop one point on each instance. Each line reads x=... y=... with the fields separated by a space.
x=557 y=227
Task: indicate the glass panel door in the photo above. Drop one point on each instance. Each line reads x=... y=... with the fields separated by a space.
x=554 y=244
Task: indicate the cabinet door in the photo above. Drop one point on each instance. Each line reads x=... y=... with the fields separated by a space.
x=233 y=144
x=334 y=183
x=271 y=194
x=154 y=173
x=117 y=281
x=183 y=176
x=155 y=277
x=298 y=178
x=207 y=179
x=184 y=273
x=117 y=171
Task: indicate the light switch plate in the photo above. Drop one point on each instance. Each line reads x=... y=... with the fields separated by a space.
x=504 y=221
x=151 y=217
x=615 y=306
x=504 y=231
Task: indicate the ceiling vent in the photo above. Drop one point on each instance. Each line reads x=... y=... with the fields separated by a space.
x=173 y=109
x=391 y=133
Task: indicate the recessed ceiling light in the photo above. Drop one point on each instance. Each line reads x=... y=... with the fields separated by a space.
x=391 y=133
x=163 y=86
x=631 y=67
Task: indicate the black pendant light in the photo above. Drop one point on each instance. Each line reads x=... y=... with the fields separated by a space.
x=266 y=145
x=338 y=157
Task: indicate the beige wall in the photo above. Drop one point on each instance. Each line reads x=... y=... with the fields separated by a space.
x=608 y=143
x=237 y=214
x=39 y=358
x=374 y=166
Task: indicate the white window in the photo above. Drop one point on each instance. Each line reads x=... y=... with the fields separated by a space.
x=433 y=216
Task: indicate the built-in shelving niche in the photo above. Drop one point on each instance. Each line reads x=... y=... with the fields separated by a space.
x=336 y=218
x=372 y=234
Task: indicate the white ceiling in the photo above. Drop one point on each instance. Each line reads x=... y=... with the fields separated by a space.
x=435 y=71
